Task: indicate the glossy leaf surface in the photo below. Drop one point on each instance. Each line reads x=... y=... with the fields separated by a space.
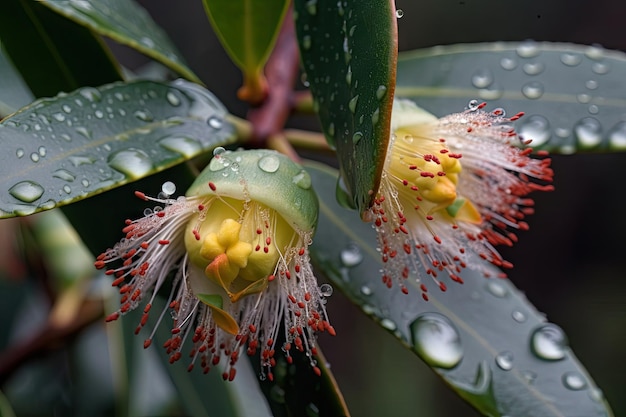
x=76 y=145
x=348 y=51
x=50 y=52
x=484 y=338
x=573 y=95
x=127 y=23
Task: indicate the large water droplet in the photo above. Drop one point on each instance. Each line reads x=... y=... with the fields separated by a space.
x=482 y=78
x=302 y=180
x=381 y=91
x=215 y=122
x=497 y=289
x=132 y=162
x=527 y=49
x=574 y=381
x=600 y=68
x=588 y=131
x=535 y=128
x=548 y=342
x=436 y=340
x=594 y=52
x=504 y=360
x=269 y=163
x=571 y=59
x=26 y=191
x=64 y=174
x=617 y=136
x=532 y=90
x=168 y=188
x=351 y=255
x=34 y=157
x=399 y=13
x=182 y=145
x=172 y=98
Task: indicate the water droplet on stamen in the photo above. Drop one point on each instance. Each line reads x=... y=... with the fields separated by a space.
x=326 y=290
x=548 y=342
x=472 y=105
x=269 y=163
x=436 y=340
x=168 y=188
x=399 y=13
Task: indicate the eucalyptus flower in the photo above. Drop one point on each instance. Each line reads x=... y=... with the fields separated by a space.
x=236 y=250
x=452 y=187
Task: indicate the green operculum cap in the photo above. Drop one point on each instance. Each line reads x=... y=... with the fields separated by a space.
x=255 y=209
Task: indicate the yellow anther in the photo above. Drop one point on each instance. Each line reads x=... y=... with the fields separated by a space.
x=442 y=192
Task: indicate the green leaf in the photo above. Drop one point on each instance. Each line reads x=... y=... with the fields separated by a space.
x=248 y=31
x=573 y=95
x=13 y=90
x=51 y=52
x=127 y=23
x=60 y=150
x=486 y=341
x=348 y=51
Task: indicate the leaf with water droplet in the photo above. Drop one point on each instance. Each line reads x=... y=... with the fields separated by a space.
x=131 y=141
x=482 y=337
x=248 y=30
x=127 y=23
x=356 y=41
x=564 y=84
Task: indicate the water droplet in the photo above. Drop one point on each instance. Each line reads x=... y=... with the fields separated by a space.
x=518 y=316
x=215 y=122
x=472 y=105
x=34 y=157
x=388 y=324
x=172 y=98
x=399 y=13
x=326 y=290
x=302 y=180
x=574 y=381
x=269 y=163
x=132 y=162
x=596 y=394
x=357 y=137
x=311 y=7
x=147 y=41
x=352 y=103
x=168 y=188
x=591 y=84
x=99 y=114
x=66 y=108
x=365 y=290
x=312 y=410
x=436 y=340
x=593 y=109
x=529 y=376
x=78 y=160
x=349 y=75
x=144 y=115
x=381 y=91
x=277 y=394
x=306 y=42
x=548 y=342
x=482 y=78
x=26 y=191
x=59 y=117
x=583 y=98
x=375 y=116
x=571 y=59
x=493 y=92
x=508 y=64
x=535 y=128
x=497 y=289
x=533 y=68
x=617 y=136
x=83 y=131
x=19 y=152
x=594 y=52
x=527 y=49
x=588 y=131
x=91 y=94
x=85 y=183
x=600 y=67
x=64 y=174
x=532 y=90
x=182 y=145
x=67 y=189
x=504 y=360
x=351 y=255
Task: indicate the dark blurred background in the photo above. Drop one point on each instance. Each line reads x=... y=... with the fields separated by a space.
x=571 y=264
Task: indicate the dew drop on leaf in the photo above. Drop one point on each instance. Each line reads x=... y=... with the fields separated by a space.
x=436 y=340
x=504 y=360
x=351 y=255
x=574 y=381
x=26 y=191
x=269 y=163
x=548 y=342
x=132 y=162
